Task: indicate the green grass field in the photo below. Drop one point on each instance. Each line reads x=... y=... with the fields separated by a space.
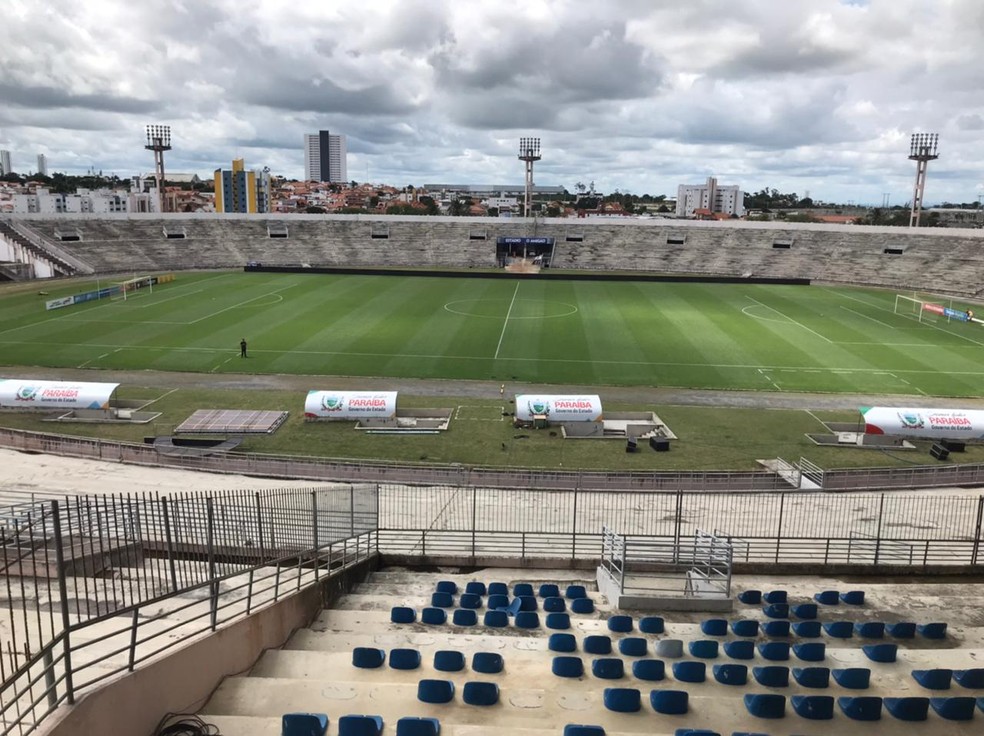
x=722 y=336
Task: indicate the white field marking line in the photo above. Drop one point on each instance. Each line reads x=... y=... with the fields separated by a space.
x=860 y=314
x=737 y=366
x=123 y=322
x=822 y=423
x=768 y=378
x=234 y=306
x=162 y=396
x=918 y=326
x=506 y=323
x=221 y=364
x=171 y=298
x=791 y=320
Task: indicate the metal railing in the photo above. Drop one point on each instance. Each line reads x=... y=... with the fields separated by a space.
x=94 y=586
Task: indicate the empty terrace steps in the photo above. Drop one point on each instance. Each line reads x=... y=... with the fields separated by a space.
x=314 y=672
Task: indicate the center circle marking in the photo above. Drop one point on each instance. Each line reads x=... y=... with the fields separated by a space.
x=470 y=308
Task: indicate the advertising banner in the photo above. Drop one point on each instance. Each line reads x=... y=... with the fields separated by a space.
x=59 y=303
x=957 y=424
x=558 y=408
x=18 y=393
x=350 y=404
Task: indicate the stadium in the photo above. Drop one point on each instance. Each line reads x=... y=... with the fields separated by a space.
x=415 y=589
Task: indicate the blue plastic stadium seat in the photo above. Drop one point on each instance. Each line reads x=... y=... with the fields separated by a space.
x=740 y=649
x=304 y=724
x=514 y=607
x=750 y=597
x=839 y=629
x=810 y=651
x=404 y=659
x=527 y=620
x=745 y=627
x=527 y=603
x=403 y=615
x=812 y=677
x=435 y=691
x=368 y=657
x=853 y=597
x=774 y=651
x=714 y=627
x=880 y=652
x=576 y=729
x=496 y=619
x=775 y=596
x=932 y=631
x=730 y=674
x=464 y=617
x=853 y=678
x=776 y=610
x=575 y=591
x=695 y=732
x=489 y=663
x=633 y=646
x=972 y=678
x=548 y=590
x=521 y=589
x=449 y=660
x=704 y=648
x=954 y=709
x=652 y=625
x=497 y=601
x=669 y=648
x=620 y=624
x=669 y=702
x=414 y=726
x=498 y=589
x=649 y=669
x=554 y=604
x=447 y=586
x=480 y=693
x=608 y=668
x=901 y=630
x=861 y=708
x=807 y=629
x=562 y=643
x=827 y=597
x=870 y=629
x=937 y=679
x=359 y=725
x=907 y=709
x=582 y=605
x=475 y=587
x=558 y=621
x=772 y=675
x=566 y=666
x=814 y=707
x=775 y=629
x=766 y=705
x=689 y=671
x=622 y=699
x=470 y=600
x=806 y=611
x=597 y=644
x=434 y=616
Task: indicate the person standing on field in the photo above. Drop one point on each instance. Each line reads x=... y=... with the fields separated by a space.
x=242 y=348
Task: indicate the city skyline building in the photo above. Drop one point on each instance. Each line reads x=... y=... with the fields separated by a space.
x=42 y=164
x=710 y=197
x=239 y=190
x=5 y=167
x=325 y=157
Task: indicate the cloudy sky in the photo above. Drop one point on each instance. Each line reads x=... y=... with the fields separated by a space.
x=806 y=96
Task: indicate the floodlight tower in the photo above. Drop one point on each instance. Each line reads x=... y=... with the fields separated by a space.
x=922 y=150
x=529 y=151
x=158 y=141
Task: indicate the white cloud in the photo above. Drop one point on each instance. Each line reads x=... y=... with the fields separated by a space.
x=639 y=95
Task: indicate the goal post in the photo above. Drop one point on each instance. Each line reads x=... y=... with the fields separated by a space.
x=124 y=288
x=922 y=308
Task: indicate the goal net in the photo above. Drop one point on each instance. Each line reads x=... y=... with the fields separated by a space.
x=930 y=309
x=125 y=289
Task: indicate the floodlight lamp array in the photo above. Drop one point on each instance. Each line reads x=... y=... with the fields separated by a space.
x=529 y=148
x=158 y=136
x=924 y=144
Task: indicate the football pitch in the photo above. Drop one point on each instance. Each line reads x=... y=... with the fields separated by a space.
x=592 y=333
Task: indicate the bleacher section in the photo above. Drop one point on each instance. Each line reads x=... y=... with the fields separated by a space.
x=373 y=655
x=946 y=261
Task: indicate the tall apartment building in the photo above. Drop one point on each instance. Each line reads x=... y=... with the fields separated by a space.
x=325 y=157
x=5 y=163
x=42 y=164
x=728 y=200
x=238 y=190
